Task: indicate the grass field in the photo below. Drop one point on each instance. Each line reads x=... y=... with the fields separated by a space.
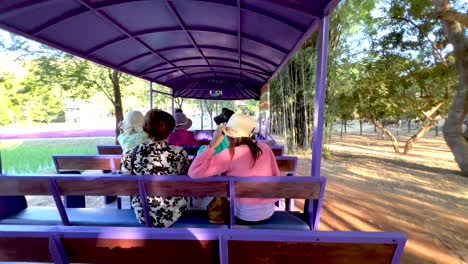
x=35 y=155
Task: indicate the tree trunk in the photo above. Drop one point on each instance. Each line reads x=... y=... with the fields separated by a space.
x=398 y=124
x=383 y=127
x=437 y=128
x=341 y=130
x=115 y=78
x=179 y=102
x=360 y=127
x=428 y=116
x=413 y=139
x=345 y=125
x=386 y=131
x=452 y=129
x=465 y=135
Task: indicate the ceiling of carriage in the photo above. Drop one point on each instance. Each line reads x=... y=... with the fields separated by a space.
x=195 y=47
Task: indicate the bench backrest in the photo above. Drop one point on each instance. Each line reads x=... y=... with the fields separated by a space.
x=109 y=150
x=87 y=162
x=127 y=245
x=278 y=150
x=286 y=164
x=117 y=150
x=203 y=134
x=309 y=188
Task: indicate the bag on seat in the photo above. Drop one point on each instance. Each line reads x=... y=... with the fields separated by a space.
x=218 y=210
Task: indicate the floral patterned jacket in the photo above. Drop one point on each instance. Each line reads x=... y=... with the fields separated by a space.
x=158 y=158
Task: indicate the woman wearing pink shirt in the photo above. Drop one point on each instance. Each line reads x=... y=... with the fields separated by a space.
x=244 y=157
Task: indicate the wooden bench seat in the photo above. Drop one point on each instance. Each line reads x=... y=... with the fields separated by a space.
x=70 y=244
x=309 y=188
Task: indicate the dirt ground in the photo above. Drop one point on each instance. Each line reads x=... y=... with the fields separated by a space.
x=370 y=188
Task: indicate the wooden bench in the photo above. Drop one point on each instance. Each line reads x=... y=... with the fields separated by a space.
x=286 y=164
x=66 y=164
x=278 y=150
x=74 y=164
x=69 y=244
x=309 y=188
x=191 y=150
x=109 y=150
x=288 y=167
x=63 y=163
x=117 y=150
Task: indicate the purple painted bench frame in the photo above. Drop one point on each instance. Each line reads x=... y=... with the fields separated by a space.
x=58 y=252
x=311 y=215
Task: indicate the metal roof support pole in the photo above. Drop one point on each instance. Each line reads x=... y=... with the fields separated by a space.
x=259 y=123
x=172 y=103
x=151 y=94
x=319 y=103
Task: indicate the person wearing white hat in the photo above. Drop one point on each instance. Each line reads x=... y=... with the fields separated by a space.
x=132 y=131
x=244 y=157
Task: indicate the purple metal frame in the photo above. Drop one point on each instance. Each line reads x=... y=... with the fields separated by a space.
x=151 y=95
x=232 y=207
x=319 y=103
x=54 y=233
x=56 y=250
x=58 y=202
x=144 y=202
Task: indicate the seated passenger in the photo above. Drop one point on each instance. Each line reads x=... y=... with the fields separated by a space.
x=181 y=136
x=244 y=157
x=220 y=119
x=132 y=133
x=156 y=157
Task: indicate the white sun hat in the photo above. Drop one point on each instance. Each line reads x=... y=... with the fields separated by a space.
x=133 y=122
x=240 y=125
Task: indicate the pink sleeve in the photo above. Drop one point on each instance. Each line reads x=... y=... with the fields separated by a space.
x=206 y=165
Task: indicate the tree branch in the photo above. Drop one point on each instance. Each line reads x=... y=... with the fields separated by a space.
x=428 y=114
x=433 y=45
x=454 y=16
x=106 y=93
